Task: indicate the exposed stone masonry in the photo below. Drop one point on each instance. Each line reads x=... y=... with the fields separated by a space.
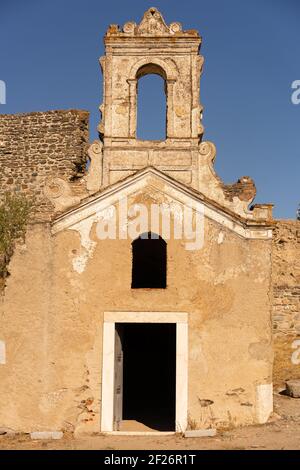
x=37 y=146
x=286 y=277
x=244 y=189
x=286 y=297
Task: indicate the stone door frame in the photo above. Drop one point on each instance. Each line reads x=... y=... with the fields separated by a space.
x=108 y=358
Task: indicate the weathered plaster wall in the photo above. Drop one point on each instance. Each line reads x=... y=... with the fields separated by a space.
x=61 y=284
x=23 y=329
x=286 y=298
x=36 y=147
x=52 y=326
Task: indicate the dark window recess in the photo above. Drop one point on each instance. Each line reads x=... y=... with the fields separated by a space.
x=149 y=262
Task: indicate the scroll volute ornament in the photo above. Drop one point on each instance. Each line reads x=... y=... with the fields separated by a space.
x=59 y=192
x=129 y=28
x=208 y=149
x=175 y=28
x=94 y=176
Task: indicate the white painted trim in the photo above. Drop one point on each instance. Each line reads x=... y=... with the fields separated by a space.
x=181 y=376
x=145 y=317
x=264 y=402
x=2 y=353
x=110 y=319
x=108 y=356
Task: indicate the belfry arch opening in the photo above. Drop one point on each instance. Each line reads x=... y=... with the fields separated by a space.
x=151 y=103
x=149 y=262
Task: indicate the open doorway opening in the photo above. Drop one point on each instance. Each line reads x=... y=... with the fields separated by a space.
x=145 y=377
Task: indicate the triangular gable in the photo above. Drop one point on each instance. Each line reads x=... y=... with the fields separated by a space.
x=94 y=207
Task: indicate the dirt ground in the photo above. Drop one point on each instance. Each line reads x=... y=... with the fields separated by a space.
x=282 y=432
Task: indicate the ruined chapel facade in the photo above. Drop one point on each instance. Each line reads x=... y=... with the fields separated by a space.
x=117 y=333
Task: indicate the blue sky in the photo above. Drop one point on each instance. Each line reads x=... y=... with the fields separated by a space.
x=49 y=60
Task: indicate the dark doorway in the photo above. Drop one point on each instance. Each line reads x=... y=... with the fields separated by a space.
x=149 y=262
x=149 y=374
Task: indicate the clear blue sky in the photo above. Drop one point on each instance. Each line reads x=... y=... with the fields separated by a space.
x=49 y=60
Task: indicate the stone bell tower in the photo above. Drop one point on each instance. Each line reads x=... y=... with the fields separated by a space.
x=147 y=48
x=130 y=53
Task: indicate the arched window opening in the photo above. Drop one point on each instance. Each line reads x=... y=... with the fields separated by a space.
x=151 y=104
x=149 y=262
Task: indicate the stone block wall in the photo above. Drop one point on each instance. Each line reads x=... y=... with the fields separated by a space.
x=286 y=299
x=37 y=146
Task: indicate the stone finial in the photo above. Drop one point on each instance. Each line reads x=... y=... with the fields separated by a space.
x=152 y=24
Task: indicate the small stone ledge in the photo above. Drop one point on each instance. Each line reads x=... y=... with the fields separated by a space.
x=46 y=435
x=200 y=433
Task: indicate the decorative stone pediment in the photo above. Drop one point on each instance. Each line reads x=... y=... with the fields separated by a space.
x=152 y=24
x=162 y=188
